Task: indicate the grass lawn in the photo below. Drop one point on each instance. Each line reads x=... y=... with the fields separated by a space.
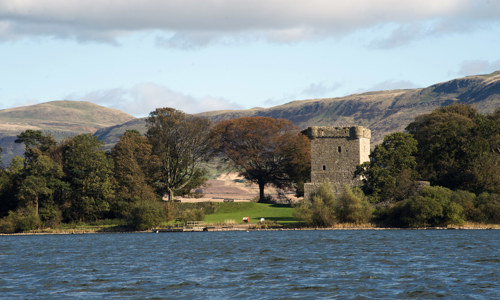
x=281 y=214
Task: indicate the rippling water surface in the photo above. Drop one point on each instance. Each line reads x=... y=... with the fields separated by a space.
x=454 y=264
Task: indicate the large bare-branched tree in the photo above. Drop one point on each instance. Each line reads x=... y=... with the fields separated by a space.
x=181 y=142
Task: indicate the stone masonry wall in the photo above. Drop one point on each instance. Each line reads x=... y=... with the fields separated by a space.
x=335 y=153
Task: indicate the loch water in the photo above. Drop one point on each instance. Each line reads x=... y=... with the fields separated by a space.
x=315 y=264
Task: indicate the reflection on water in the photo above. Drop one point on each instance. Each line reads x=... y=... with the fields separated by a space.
x=258 y=264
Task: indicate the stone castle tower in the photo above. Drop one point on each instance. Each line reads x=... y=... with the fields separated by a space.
x=335 y=153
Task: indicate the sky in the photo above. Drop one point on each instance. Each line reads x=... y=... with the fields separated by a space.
x=204 y=55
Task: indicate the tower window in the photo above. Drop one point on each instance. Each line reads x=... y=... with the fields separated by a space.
x=340 y=149
x=324 y=168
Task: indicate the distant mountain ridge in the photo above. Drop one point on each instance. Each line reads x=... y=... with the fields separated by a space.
x=383 y=112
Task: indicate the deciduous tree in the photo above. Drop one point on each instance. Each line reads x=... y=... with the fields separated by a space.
x=181 y=142
x=36 y=143
x=42 y=178
x=459 y=148
x=133 y=171
x=266 y=150
x=390 y=173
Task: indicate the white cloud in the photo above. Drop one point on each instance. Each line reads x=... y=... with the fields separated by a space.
x=474 y=67
x=189 y=23
x=390 y=85
x=313 y=90
x=142 y=99
x=320 y=89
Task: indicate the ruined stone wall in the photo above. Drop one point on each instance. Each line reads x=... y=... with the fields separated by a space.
x=335 y=153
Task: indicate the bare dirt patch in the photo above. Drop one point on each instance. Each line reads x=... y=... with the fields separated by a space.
x=232 y=187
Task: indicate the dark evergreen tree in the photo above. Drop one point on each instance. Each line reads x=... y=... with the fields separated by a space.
x=89 y=172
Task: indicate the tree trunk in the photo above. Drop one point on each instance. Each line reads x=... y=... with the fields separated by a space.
x=261 y=192
x=170 y=195
x=36 y=205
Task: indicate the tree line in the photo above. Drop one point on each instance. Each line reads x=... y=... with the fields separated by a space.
x=75 y=180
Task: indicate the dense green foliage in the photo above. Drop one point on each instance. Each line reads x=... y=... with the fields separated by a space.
x=430 y=206
x=390 y=173
x=89 y=173
x=76 y=181
x=459 y=148
x=323 y=209
x=134 y=167
x=454 y=148
x=145 y=215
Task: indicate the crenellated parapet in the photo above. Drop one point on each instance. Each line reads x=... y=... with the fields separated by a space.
x=352 y=132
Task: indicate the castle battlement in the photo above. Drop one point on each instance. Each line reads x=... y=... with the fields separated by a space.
x=353 y=132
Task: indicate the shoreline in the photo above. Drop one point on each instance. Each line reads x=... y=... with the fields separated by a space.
x=251 y=227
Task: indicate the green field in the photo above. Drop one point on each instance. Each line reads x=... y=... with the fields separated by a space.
x=281 y=214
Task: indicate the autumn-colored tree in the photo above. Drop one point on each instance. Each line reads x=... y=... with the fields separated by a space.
x=181 y=142
x=133 y=171
x=266 y=150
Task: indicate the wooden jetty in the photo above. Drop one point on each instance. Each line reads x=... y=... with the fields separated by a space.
x=197 y=226
x=190 y=226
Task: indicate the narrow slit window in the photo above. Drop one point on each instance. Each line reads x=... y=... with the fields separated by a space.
x=340 y=149
x=324 y=168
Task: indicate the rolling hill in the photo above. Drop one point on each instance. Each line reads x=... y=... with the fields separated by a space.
x=383 y=112
x=59 y=118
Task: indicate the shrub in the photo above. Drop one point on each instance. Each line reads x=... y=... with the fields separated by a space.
x=8 y=224
x=266 y=225
x=353 y=206
x=319 y=210
x=21 y=220
x=489 y=207
x=145 y=215
x=50 y=216
x=466 y=200
x=191 y=211
x=420 y=211
x=432 y=206
x=195 y=214
x=454 y=214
